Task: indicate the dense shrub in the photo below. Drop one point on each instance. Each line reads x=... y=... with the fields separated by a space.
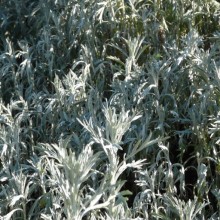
x=109 y=109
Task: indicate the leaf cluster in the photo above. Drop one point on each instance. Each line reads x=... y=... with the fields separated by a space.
x=109 y=109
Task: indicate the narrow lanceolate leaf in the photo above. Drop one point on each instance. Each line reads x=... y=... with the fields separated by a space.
x=10 y=214
x=16 y=199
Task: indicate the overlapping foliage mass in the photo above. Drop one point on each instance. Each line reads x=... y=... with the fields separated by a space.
x=109 y=109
